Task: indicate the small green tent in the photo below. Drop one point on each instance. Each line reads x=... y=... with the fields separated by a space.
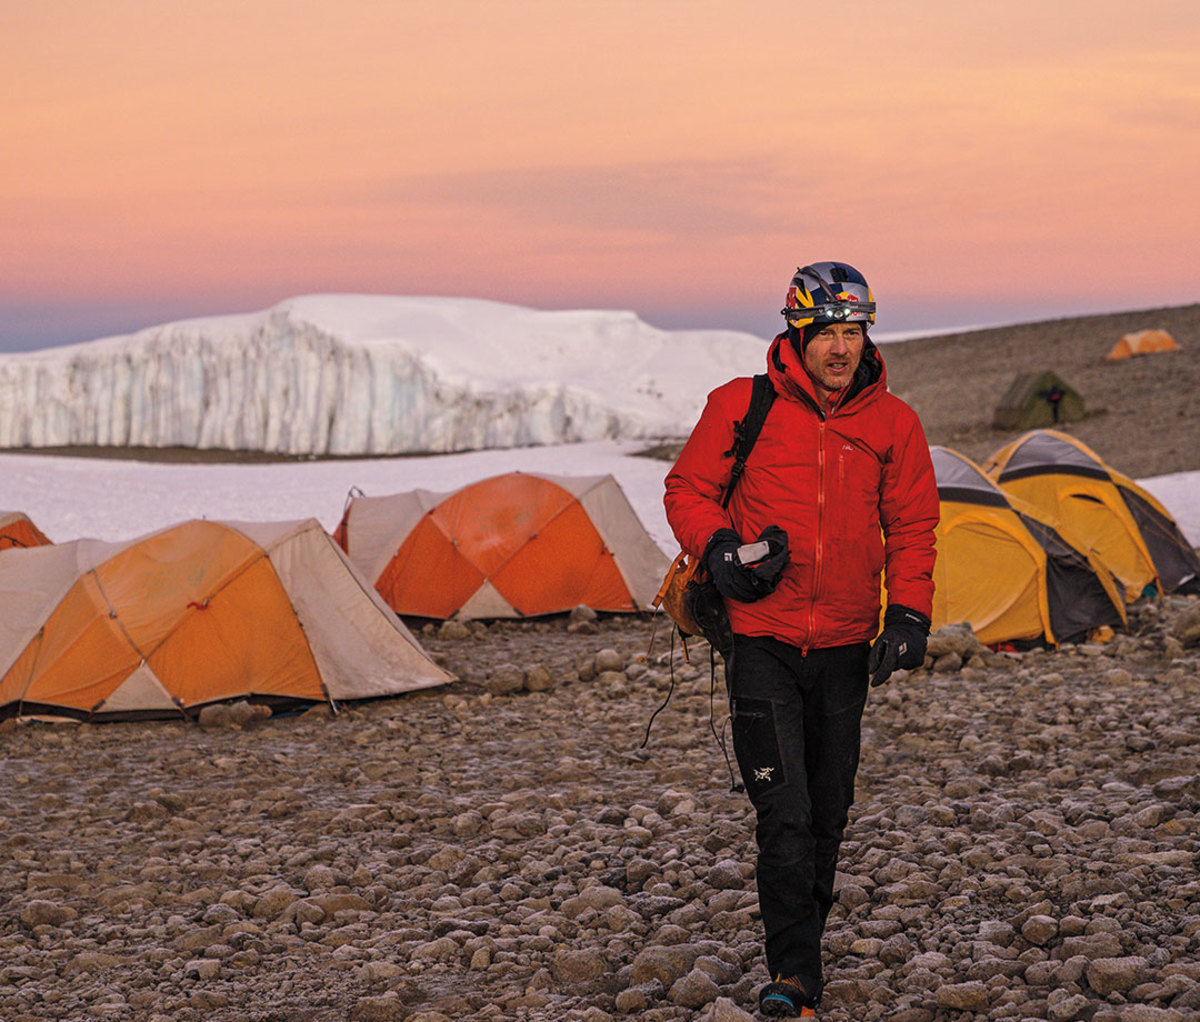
x=1038 y=400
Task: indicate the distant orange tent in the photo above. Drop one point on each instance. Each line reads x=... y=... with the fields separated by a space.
x=199 y=613
x=514 y=545
x=1141 y=342
x=16 y=530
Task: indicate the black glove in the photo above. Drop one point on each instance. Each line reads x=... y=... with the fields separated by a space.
x=901 y=644
x=746 y=582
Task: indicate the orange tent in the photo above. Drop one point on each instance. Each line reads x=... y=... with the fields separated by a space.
x=514 y=545
x=1142 y=342
x=198 y=613
x=16 y=530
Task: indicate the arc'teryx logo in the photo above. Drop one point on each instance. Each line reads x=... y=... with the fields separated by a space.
x=763 y=773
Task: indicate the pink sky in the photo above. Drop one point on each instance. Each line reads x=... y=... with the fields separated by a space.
x=979 y=162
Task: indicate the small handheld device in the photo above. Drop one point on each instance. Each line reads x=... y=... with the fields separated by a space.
x=748 y=553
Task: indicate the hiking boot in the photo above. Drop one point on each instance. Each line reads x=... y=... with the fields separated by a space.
x=785 y=998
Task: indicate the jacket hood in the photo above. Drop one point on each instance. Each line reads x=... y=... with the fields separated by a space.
x=790 y=377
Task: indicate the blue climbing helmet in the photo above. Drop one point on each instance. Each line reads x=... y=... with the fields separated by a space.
x=828 y=293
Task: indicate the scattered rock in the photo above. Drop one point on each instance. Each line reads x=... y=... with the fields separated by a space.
x=578 y=966
x=1063 y=1006
x=958 y=639
x=635 y=1000
x=727 y=874
x=972 y=996
x=386 y=1008
x=96 y=961
x=694 y=990
x=724 y=1010
x=46 y=913
x=1117 y=975
x=272 y=903
x=243 y=713
x=453 y=631
x=505 y=679
x=538 y=679
x=609 y=660
x=215 y=716
x=664 y=964
x=947 y=663
x=202 y=968
x=1186 y=629
x=1040 y=930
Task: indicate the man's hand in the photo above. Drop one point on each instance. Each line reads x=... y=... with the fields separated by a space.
x=736 y=580
x=901 y=644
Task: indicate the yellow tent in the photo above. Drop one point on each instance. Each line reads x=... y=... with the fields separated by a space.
x=1099 y=509
x=198 y=613
x=1006 y=571
x=1142 y=342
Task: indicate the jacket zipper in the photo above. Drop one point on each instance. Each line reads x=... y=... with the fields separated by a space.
x=812 y=605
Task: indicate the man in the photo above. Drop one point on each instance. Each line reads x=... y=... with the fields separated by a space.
x=843 y=468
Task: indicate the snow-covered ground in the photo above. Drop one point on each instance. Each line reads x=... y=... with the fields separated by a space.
x=372 y=374
x=1179 y=493
x=69 y=498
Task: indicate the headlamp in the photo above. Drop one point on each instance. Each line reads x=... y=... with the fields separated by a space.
x=832 y=312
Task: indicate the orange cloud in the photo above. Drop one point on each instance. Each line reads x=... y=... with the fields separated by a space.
x=674 y=154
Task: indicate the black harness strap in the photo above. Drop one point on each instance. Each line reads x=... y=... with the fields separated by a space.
x=745 y=432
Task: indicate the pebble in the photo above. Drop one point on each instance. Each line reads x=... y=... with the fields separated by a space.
x=972 y=996
x=694 y=990
x=1117 y=975
x=1039 y=930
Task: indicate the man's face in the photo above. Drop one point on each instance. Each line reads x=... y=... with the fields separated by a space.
x=832 y=356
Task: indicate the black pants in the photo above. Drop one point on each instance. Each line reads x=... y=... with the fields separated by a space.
x=796 y=733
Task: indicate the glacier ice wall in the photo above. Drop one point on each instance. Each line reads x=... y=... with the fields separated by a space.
x=279 y=382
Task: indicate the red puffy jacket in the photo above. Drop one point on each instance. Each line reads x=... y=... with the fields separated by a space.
x=855 y=493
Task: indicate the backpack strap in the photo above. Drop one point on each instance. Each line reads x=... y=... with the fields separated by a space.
x=745 y=432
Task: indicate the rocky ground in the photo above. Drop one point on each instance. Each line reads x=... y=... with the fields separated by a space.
x=1024 y=846
x=1141 y=413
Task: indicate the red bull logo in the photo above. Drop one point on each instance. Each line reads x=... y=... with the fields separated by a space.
x=798 y=298
x=846 y=296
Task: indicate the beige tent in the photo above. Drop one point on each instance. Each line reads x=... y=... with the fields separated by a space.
x=514 y=545
x=198 y=613
x=1142 y=342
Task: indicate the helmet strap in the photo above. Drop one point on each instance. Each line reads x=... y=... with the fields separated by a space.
x=820 y=280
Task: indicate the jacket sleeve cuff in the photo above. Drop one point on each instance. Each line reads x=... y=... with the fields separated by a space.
x=898 y=614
